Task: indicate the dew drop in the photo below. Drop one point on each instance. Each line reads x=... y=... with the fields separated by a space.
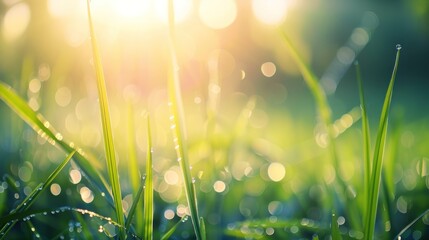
x=33 y=229
x=100 y=228
x=193 y=180
x=45 y=213
x=398 y=46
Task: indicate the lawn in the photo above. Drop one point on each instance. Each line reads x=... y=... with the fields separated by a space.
x=214 y=119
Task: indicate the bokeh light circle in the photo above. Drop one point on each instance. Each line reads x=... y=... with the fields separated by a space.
x=218 y=14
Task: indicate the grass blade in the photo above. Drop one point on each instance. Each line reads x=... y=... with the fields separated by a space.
x=133 y=208
x=107 y=129
x=170 y=232
x=177 y=121
x=148 y=192
x=366 y=138
x=411 y=224
x=87 y=164
x=335 y=231
x=32 y=197
x=320 y=97
x=374 y=189
x=133 y=168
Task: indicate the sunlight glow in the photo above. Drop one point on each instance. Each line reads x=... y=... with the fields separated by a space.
x=15 y=21
x=271 y=12
x=182 y=10
x=130 y=8
x=218 y=14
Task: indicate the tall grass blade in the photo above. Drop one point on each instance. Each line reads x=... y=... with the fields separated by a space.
x=86 y=164
x=133 y=210
x=322 y=104
x=32 y=197
x=366 y=139
x=377 y=162
x=319 y=95
x=107 y=129
x=133 y=167
x=148 y=192
x=177 y=125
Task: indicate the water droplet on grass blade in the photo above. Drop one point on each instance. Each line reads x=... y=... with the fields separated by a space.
x=398 y=46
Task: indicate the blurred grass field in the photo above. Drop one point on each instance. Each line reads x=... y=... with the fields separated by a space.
x=251 y=139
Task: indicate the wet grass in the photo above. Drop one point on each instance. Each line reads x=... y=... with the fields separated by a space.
x=221 y=202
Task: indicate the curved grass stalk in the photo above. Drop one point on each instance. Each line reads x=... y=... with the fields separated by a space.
x=366 y=139
x=377 y=163
x=87 y=165
x=31 y=198
x=107 y=129
x=322 y=103
x=178 y=128
x=411 y=224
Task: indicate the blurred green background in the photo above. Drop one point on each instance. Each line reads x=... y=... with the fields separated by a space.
x=230 y=53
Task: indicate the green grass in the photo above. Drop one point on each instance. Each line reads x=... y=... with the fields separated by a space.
x=377 y=162
x=308 y=203
x=107 y=130
x=178 y=127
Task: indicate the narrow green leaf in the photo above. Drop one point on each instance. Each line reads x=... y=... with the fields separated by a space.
x=32 y=197
x=366 y=139
x=170 y=232
x=133 y=168
x=378 y=157
x=411 y=224
x=321 y=100
x=85 y=162
x=136 y=202
x=203 y=228
x=177 y=126
x=148 y=192
x=107 y=129
x=335 y=231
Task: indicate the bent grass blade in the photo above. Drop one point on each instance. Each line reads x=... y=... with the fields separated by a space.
x=177 y=126
x=148 y=192
x=32 y=197
x=366 y=139
x=377 y=163
x=107 y=129
x=39 y=125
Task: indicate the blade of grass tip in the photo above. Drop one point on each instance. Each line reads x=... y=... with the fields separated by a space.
x=335 y=230
x=378 y=156
x=133 y=166
x=366 y=139
x=148 y=192
x=32 y=197
x=136 y=202
x=178 y=128
x=44 y=128
x=107 y=129
x=411 y=224
x=170 y=232
x=203 y=228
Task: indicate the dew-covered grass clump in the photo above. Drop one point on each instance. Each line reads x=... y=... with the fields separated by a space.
x=211 y=119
